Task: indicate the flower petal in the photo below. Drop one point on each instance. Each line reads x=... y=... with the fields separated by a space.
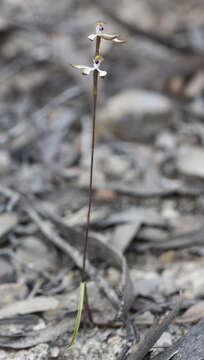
x=108 y=36
x=78 y=66
x=102 y=73
x=119 y=41
x=92 y=37
x=87 y=70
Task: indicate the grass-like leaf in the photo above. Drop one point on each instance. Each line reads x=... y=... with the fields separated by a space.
x=78 y=318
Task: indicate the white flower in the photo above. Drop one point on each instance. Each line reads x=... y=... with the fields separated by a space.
x=100 y=32
x=86 y=70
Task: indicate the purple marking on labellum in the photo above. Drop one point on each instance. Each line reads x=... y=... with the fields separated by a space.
x=96 y=62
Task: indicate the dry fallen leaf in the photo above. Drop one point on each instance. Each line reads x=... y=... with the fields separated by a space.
x=193 y=314
x=28 y=306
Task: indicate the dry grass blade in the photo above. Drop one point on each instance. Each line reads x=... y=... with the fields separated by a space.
x=78 y=318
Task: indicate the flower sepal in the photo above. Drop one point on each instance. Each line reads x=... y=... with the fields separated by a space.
x=86 y=70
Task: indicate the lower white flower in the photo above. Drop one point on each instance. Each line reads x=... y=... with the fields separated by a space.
x=86 y=70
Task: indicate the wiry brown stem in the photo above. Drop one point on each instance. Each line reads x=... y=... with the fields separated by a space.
x=83 y=272
x=95 y=80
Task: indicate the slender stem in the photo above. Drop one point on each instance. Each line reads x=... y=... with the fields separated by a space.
x=95 y=87
x=83 y=272
x=98 y=42
x=95 y=80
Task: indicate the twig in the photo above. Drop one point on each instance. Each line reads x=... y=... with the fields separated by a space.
x=179 y=241
x=143 y=192
x=132 y=334
x=124 y=352
x=155 y=332
x=13 y=196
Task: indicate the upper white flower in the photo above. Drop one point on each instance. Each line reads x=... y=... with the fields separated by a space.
x=100 y=32
x=86 y=70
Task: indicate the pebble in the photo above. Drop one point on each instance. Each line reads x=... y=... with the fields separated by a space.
x=166 y=141
x=54 y=352
x=154 y=287
x=190 y=161
x=165 y=340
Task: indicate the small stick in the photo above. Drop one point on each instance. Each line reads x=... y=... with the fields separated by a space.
x=155 y=332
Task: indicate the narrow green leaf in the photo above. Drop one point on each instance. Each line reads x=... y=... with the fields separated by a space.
x=78 y=318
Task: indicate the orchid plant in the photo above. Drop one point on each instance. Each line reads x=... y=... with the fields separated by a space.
x=87 y=70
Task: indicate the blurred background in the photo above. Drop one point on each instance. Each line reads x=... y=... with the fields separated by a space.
x=152 y=98
x=149 y=159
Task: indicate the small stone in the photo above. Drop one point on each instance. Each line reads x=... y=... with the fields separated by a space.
x=115 y=165
x=116 y=343
x=54 y=352
x=169 y=211
x=165 y=340
x=154 y=287
x=166 y=141
x=3 y=355
x=190 y=161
